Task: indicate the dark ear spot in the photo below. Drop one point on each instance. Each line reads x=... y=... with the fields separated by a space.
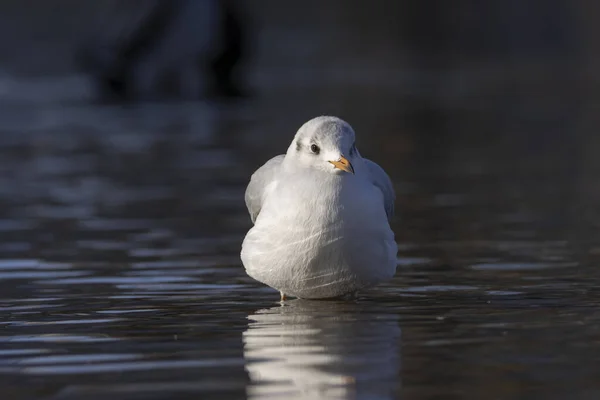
x=298 y=145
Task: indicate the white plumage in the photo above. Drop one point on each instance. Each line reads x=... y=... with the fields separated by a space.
x=321 y=216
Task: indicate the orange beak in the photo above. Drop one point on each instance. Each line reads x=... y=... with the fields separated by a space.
x=343 y=164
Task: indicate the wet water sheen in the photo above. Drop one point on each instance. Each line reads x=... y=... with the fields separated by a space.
x=120 y=231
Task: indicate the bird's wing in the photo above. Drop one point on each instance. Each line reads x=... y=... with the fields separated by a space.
x=259 y=184
x=383 y=182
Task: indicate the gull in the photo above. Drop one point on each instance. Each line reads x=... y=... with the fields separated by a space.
x=321 y=216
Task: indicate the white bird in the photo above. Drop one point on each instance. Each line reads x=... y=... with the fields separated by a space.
x=321 y=216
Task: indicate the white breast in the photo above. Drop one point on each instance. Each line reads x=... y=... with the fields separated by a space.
x=325 y=240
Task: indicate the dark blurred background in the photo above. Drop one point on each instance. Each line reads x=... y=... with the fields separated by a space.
x=440 y=93
x=125 y=149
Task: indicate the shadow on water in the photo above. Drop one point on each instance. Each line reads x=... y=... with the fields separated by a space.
x=322 y=350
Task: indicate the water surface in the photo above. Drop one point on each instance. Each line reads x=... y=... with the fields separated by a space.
x=120 y=231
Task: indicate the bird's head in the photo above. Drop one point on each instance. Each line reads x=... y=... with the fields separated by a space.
x=324 y=143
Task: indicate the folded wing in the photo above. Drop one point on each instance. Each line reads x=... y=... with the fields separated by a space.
x=382 y=181
x=259 y=185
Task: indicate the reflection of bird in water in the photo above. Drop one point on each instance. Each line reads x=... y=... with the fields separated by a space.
x=183 y=38
x=315 y=350
x=321 y=216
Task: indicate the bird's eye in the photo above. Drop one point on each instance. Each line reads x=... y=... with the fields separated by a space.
x=314 y=148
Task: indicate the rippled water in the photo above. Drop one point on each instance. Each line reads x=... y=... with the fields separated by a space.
x=120 y=231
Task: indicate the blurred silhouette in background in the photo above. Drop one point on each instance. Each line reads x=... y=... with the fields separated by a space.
x=167 y=50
